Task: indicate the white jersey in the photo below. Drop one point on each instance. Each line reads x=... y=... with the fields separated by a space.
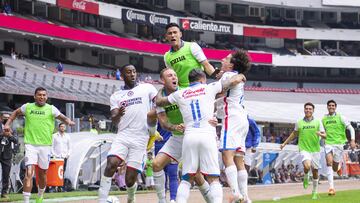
x=232 y=102
x=196 y=105
x=137 y=103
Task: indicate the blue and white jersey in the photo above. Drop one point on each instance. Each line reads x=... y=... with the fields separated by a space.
x=137 y=103
x=233 y=100
x=196 y=104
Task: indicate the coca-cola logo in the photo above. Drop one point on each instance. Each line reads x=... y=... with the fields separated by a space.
x=79 y=4
x=185 y=24
x=270 y=32
x=191 y=93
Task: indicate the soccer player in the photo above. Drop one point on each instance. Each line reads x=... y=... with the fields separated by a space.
x=335 y=126
x=252 y=141
x=39 y=127
x=185 y=56
x=235 y=126
x=129 y=107
x=170 y=119
x=309 y=130
x=199 y=145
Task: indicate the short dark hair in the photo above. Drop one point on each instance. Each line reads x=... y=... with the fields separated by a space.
x=39 y=89
x=172 y=25
x=196 y=74
x=309 y=104
x=241 y=61
x=61 y=124
x=162 y=72
x=331 y=101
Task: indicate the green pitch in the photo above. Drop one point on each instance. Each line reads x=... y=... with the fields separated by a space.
x=349 y=196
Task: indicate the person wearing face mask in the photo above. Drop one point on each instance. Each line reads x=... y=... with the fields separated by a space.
x=6 y=151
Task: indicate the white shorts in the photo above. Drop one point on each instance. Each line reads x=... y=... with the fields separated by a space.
x=133 y=154
x=249 y=156
x=234 y=132
x=149 y=181
x=200 y=152
x=336 y=150
x=37 y=155
x=173 y=148
x=314 y=157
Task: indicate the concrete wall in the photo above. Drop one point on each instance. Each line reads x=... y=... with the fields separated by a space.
x=121 y=59
x=176 y=4
x=207 y=7
x=22 y=46
x=151 y=63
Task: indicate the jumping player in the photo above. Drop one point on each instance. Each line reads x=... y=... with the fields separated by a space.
x=235 y=126
x=170 y=119
x=199 y=145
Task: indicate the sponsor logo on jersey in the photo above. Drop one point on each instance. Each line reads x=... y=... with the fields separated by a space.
x=171 y=108
x=129 y=102
x=330 y=122
x=308 y=127
x=193 y=93
x=37 y=112
x=176 y=60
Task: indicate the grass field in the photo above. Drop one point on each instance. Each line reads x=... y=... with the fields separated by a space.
x=349 y=196
x=19 y=197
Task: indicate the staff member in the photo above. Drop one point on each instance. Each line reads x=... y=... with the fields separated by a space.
x=61 y=145
x=6 y=150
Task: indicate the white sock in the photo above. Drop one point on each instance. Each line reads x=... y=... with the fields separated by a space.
x=330 y=177
x=131 y=192
x=183 y=192
x=26 y=197
x=315 y=184
x=205 y=191
x=232 y=179
x=243 y=181
x=104 y=189
x=159 y=179
x=41 y=191
x=216 y=192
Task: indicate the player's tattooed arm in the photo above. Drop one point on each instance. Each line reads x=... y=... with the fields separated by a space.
x=234 y=80
x=65 y=120
x=165 y=124
x=116 y=114
x=291 y=137
x=161 y=100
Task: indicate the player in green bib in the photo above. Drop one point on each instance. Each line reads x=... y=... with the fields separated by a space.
x=185 y=56
x=38 y=131
x=309 y=130
x=170 y=119
x=335 y=126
